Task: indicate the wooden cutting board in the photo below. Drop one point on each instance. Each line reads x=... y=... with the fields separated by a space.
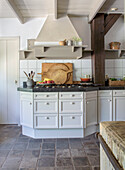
x=61 y=73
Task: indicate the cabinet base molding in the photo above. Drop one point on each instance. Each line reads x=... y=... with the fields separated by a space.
x=48 y=133
x=90 y=130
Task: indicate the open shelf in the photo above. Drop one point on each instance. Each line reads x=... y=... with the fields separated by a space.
x=119 y=51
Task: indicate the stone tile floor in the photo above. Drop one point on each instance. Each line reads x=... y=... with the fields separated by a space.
x=19 y=152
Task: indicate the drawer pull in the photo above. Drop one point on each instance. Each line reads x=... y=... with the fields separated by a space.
x=36 y=96
x=47 y=95
x=47 y=118
x=46 y=103
x=87 y=102
x=30 y=103
x=73 y=117
x=73 y=95
x=109 y=100
x=72 y=103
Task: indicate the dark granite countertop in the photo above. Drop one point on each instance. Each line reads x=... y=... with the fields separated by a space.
x=82 y=89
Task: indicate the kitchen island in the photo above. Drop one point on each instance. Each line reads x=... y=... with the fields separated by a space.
x=69 y=112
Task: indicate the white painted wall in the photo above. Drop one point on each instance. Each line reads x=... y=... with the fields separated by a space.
x=116 y=33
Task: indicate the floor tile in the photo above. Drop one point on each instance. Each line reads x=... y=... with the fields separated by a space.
x=46 y=168
x=12 y=163
x=34 y=145
x=92 y=152
x=2 y=160
x=49 y=140
x=94 y=160
x=81 y=161
x=28 y=163
x=64 y=162
x=76 y=145
x=46 y=162
x=22 y=140
x=77 y=153
x=16 y=154
x=96 y=168
x=83 y=168
x=31 y=154
x=35 y=140
x=20 y=146
x=64 y=168
x=62 y=144
x=62 y=153
x=49 y=146
x=47 y=153
x=6 y=146
x=4 y=153
x=27 y=168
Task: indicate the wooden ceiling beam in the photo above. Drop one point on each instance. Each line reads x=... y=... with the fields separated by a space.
x=55 y=10
x=96 y=7
x=109 y=21
x=15 y=10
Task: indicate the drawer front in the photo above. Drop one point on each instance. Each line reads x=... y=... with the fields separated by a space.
x=49 y=106
x=26 y=96
x=91 y=94
x=45 y=122
x=119 y=93
x=70 y=106
x=71 y=95
x=44 y=96
x=70 y=121
x=105 y=93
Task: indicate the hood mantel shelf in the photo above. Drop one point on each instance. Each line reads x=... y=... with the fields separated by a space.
x=59 y=52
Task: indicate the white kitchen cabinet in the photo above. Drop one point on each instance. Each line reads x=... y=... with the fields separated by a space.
x=26 y=109
x=90 y=110
x=105 y=106
x=119 y=105
x=70 y=121
x=42 y=121
x=119 y=108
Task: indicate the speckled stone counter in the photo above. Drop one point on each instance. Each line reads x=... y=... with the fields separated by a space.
x=114 y=135
x=84 y=89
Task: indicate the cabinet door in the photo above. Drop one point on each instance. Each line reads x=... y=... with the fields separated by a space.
x=90 y=115
x=104 y=109
x=26 y=107
x=119 y=108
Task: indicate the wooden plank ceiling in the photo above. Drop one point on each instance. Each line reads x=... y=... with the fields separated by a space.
x=41 y=8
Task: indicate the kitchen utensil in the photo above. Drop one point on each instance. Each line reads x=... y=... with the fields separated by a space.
x=85 y=79
x=30 y=83
x=115 y=45
x=51 y=71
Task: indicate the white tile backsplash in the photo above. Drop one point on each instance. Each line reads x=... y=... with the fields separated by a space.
x=113 y=67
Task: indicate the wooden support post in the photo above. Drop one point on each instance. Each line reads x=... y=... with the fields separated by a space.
x=97 y=44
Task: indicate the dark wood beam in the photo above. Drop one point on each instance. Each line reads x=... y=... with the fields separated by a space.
x=109 y=21
x=97 y=44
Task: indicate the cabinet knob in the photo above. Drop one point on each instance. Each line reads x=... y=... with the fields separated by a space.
x=73 y=102
x=47 y=95
x=47 y=118
x=46 y=103
x=73 y=95
x=87 y=102
x=109 y=100
x=36 y=95
x=73 y=117
x=30 y=103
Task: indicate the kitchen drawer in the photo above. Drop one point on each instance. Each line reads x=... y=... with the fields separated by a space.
x=71 y=121
x=70 y=106
x=45 y=122
x=91 y=94
x=119 y=93
x=49 y=106
x=45 y=96
x=71 y=95
x=105 y=93
x=26 y=96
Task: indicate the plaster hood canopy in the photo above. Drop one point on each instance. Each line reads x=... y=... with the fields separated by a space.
x=55 y=30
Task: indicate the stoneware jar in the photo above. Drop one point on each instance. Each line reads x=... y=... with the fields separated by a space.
x=30 y=83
